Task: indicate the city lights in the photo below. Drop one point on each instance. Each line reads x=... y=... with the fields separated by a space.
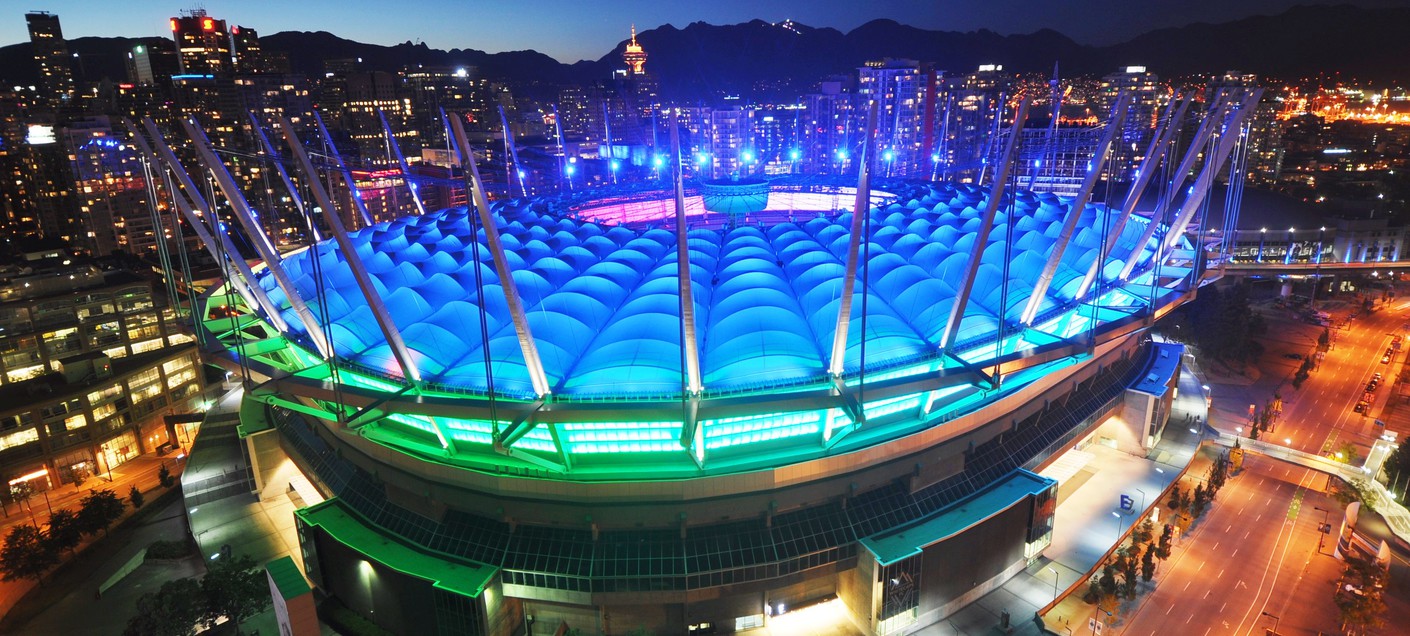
x=727 y=371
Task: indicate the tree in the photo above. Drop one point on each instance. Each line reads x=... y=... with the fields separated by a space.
x=20 y=493
x=1107 y=581
x=1143 y=532
x=1166 y=537
x=1397 y=466
x=135 y=496
x=1359 y=595
x=164 y=477
x=1148 y=562
x=1219 y=474
x=235 y=588
x=1177 y=500
x=26 y=554
x=1130 y=575
x=173 y=610
x=1201 y=501
x=79 y=474
x=64 y=531
x=98 y=510
x=1347 y=453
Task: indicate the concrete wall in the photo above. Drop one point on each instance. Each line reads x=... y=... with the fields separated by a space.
x=396 y=602
x=971 y=564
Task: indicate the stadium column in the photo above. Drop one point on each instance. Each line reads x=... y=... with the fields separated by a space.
x=692 y=436
x=1160 y=143
x=353 y=192
x=475 y=189
x=1079 y=203
x=272 y=262
x=501 y=264
x=986 y=225
x=359 y=270
x=1196 y=150
x=861 y=207
x=1229 y=134
x=1230 y=122
x=191 y=209
x=279 y=168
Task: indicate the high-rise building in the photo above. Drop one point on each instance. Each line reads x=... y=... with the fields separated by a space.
x=827 y=128
x=371 y=93
x=153 y=63
x=202 y=43
x=1147 y=97
x=87 y=377
x=904 y=95
x=48 y=178
x=967 y=109
x=732 y=147
x=249 y=58
x=1265 y=130
x=51 y=53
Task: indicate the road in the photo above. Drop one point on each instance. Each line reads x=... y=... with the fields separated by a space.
x=141 y=471
x=1252 y=556
x=1319 y=418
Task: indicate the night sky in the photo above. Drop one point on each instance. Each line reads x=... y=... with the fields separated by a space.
x=587 y=29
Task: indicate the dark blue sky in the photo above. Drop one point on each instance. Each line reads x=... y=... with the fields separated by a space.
x=576 y=29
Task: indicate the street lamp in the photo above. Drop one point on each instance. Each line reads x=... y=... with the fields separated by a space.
x=1143 y=500
x=1055 y=582
x=1118 y=524
x=1276 y=620
x=1321 y=531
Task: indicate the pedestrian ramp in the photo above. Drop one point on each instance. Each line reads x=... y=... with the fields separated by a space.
x=1067 y=465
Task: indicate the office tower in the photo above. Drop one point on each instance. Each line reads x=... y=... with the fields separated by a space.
x=51 y=54
x=202 y=43
x=153 y=63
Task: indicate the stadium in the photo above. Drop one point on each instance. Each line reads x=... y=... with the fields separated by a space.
x=516 y=419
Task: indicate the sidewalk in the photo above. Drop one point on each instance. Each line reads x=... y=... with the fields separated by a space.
x=1071 y=612
x=140 y=471
x=1084 y=530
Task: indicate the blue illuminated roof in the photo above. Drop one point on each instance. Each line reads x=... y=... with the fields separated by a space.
x=602 y=304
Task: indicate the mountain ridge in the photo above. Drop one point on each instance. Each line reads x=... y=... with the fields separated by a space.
x=761 y=60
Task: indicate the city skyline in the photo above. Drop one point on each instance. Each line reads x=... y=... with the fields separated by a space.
x=570 y=32
x=744 y=327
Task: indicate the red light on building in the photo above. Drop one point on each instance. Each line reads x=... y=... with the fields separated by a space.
x=126 y=87
x=235 y=30
x=208 y=24
x=173 y=24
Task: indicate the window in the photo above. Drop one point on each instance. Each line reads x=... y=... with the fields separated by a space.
x=19 y=438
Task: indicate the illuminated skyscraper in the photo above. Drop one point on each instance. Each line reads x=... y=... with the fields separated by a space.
x=1265 y=131
x=202 y=43
x=634 y=56
x=245 y=46
x=51 y=53
x=1148 y=97
x=152 y=64
x=903 y=93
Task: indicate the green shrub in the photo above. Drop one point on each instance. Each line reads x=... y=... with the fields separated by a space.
x=168 y=550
